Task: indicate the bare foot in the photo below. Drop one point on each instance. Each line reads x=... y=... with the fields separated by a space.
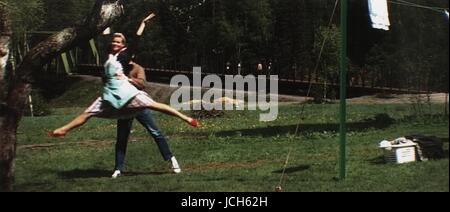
x=56 y=133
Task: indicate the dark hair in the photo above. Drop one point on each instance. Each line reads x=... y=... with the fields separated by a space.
x=124 y=58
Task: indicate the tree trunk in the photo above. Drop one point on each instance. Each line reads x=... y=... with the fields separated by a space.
x=5 y=162
x=103 y=14
x=5 y=37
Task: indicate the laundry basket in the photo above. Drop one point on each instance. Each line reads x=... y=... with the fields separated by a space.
x=400 y=153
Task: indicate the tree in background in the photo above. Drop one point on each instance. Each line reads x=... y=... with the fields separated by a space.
x=25 y=14
x=5 y=40
x=329 y=61
x=293 y=37
x=64 y=13
x=327 y=43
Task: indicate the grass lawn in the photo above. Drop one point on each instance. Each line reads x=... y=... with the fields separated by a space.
x=235 y=152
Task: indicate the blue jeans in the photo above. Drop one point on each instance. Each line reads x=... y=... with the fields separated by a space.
x=123 y=132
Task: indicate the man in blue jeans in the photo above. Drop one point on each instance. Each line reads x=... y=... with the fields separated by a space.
x=137 y=78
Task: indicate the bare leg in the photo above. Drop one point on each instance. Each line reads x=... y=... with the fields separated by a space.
x=171 y=111
x=78 y=121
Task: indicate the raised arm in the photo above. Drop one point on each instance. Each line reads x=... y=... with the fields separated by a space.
x=142 y=26
x=133 y=46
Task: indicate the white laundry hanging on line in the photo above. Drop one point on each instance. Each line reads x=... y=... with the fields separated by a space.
x=379 y=14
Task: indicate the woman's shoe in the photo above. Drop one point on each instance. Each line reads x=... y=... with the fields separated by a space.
x=194 y=123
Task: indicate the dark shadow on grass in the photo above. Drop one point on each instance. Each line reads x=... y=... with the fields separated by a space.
x=378 y=160
x=445 y=140
x=380 y=121
x=96 y=173
x=88 y=173
x=145 y=173
x=293 y=169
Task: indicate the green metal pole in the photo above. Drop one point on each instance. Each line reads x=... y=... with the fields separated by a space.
x=65 y=61
x=343 y=92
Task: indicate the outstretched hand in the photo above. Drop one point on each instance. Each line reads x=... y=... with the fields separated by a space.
x=142 y=25
x=152 y=15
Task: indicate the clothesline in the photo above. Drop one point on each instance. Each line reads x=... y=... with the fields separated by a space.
x=419 y=5
x=410 y=4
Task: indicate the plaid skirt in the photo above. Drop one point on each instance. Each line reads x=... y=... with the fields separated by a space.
x=104 y=109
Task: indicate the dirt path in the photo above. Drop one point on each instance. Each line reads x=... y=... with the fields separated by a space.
x=162 y=92
x=400 y=99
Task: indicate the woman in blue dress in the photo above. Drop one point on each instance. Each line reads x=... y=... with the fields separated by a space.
x=120 y=98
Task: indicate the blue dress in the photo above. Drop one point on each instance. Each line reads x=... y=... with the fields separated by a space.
x=117 y=90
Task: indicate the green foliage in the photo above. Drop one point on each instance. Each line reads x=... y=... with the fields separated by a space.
x=212 y=33
x=26 y=14
x=65 y=14
x=329 y=62
x=293 y=29
x=288 y=34
x=414 y=53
